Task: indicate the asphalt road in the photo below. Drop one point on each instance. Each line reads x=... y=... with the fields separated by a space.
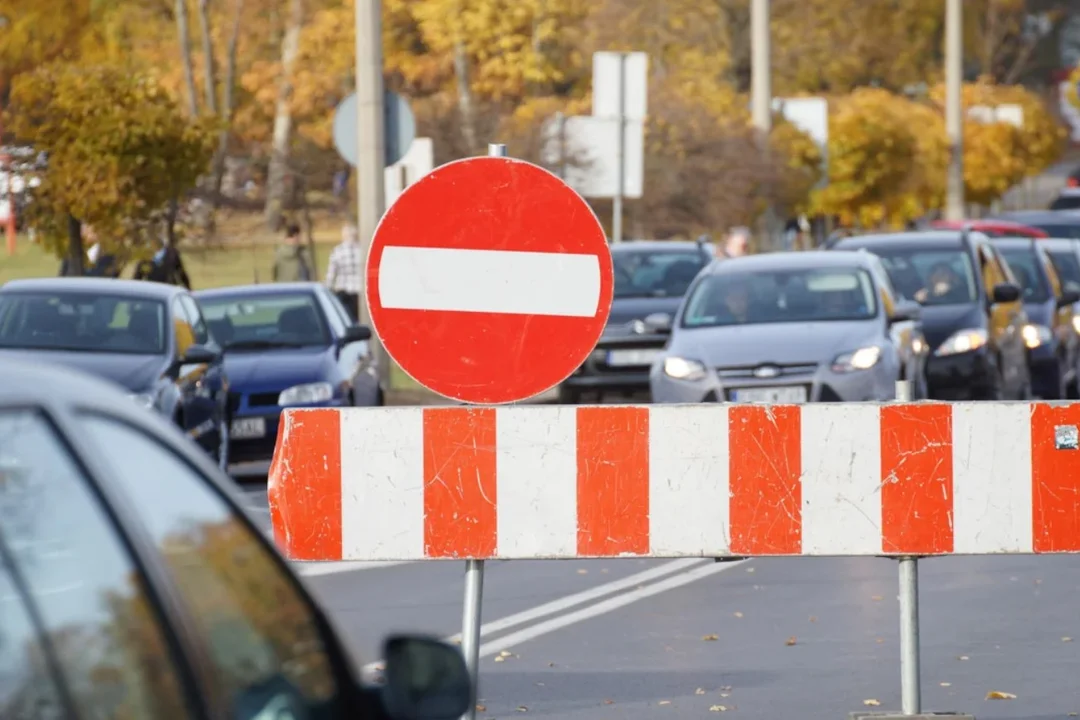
x=793 y=637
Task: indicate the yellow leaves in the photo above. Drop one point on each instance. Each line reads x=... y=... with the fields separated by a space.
x=791 y=641
x=871 y=702
x=998 y=695
x=710 y=638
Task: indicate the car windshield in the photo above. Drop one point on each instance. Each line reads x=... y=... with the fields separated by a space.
x=1068 y=268
x=1066 y=202
x=655 y=273
x=930 y=276
x=257 y=322
x=780 y=296
x=82 y=322
x=1025 y=266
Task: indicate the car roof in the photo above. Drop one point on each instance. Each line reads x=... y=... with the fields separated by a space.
x=810 y=259
x=913 y=239
x=1049 y=216
x=257 y=289
x=1059 y=243
x=657 y=245
x=1015 y=242
x=110 y=286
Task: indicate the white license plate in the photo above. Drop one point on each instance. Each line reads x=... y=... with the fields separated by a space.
x=631 y=358
x=248 y=428
x=776 y=395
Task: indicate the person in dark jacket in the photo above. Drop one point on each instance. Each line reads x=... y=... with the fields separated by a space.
x=293 y=261
x=165 y=267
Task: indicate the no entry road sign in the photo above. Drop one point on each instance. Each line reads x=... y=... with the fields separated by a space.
x=489 y=280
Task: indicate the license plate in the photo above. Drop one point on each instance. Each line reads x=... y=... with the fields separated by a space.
x=248 y=428
x=630 y=358
x=777 y=395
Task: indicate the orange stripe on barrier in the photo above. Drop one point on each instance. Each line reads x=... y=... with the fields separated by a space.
x=304 y=485
x=917 y=479
x=613 y=481
x=460 y=517
x=1055 y=478
x=764 y=467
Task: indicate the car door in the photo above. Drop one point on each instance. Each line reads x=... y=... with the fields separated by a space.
x=199 y=383
x=1006 y=320
x=355 y=358
x=1063 y=316
x=271 y=652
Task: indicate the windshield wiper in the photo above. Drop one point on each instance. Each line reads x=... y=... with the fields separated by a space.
x=260 y=345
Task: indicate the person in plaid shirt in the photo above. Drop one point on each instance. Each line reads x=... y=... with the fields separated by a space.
x=343 y=273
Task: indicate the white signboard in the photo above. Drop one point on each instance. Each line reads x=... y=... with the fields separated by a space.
x=1010 y=114
x=417 y=162
x=584 y=150
x=631 y=94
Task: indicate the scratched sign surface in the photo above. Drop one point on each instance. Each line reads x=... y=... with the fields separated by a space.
x=489 y=280
x=677 y=481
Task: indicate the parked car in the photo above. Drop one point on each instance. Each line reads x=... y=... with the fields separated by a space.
x=651 y=278
x=135 y=586
x=792 y=327
x=1053 y=345
x=1055 y=223
x=990 y=228
x=149 y=338
x=1067 y=199
x=972 y=310
x=287 y=344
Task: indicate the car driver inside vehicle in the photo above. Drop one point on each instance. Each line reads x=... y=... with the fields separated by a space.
x=943 y=286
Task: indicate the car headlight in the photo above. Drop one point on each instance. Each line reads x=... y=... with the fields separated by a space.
x=683 y=369
x=306 y=394
x=1036 y=335
x=862 y=359
x=963 y=341
x=146 y=400
x=1076 y=323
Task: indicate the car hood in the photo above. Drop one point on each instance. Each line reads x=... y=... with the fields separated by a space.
x=1041 y=313
x=135 y=373
x=941 y=321
x=779 y=343
x=277 y=369
x=625 y=311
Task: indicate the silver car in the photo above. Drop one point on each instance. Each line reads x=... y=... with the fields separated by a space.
x=792 y=327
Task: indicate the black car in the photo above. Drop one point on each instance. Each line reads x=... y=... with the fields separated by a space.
x=651 y=277
x=1056 y=223
x=972 y=317
x=134 y=586
x=149 y=338
x=1050 y=336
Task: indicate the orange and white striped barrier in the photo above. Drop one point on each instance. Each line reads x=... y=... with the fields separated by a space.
x=898 y=479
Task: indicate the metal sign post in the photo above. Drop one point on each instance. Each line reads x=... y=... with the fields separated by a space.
x=910 y=681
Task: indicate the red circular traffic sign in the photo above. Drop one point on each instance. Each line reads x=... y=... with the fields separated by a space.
x=489 y=280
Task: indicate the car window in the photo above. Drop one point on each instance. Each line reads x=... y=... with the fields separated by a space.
x=334 y=312
x=82 y=322
x=195 y=319
x=930 y=275
x=1025 y=265
x=266 y=647
x=655 y=273
x=183 y=333
x=1068 y=267
x=90 y=596
x=1065 y=202
x=1058 y=230
x=1050 y=272
x=254 y=322
x=775 y=296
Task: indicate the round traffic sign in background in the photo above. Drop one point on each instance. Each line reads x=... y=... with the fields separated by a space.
x=489 y=280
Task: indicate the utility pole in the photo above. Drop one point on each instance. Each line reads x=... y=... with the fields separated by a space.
x=620 y=164
x=954 y=109
x=371 y=145
x=761 y=88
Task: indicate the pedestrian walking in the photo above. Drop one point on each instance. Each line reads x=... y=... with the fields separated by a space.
x=166 y=266
x=292 y=260
x=736 y=243
x=344 y=271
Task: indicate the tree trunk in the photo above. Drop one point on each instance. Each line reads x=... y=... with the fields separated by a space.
x=282 y=134
x=228 y=92
x=184 y=37
x=76 y=256
x=209 y=72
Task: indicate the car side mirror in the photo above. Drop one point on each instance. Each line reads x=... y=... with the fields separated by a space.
x=1069 y=297
x=905 y=310
x=199 y=355
x=425 y=679
x=1005 y=293
x=355 y=333
x=658 y=323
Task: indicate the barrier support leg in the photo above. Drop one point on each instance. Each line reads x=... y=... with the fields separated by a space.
x=470 y=627
x=910 y=688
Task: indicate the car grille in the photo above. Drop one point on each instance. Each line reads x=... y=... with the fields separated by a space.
x=254 y=400
x=736 y=372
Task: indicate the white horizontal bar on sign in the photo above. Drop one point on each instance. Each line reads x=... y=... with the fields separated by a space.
x=489 y=281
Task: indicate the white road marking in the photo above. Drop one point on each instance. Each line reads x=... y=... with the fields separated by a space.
x=630 y=583
x=489 y=281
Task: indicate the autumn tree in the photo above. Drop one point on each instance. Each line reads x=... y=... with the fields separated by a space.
x=120 y=154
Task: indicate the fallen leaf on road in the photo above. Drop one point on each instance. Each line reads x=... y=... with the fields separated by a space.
x=551 y=664
x=500 y=658
x=582 y=571
x=505 y=653
x=664 y=702
x=875 y=598
x=522 y=708
x=725 y=694
x=539 y=684
x=738 y=614
x=718 y=708
x=963 y=657
x=790 y=641
x=699 y=691
x=879 y=640
x=749 y=569
x=726 y=688
x=609 y=702
x=998 y=695
x=710 y=638
x=945 y=684
x=871 y=702
x=813 y=619
x=481 y=708
x=1073 y=714
x=1066 y=639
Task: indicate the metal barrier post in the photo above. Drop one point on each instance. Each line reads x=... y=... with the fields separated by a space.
x=474 y=585
x=910 y=690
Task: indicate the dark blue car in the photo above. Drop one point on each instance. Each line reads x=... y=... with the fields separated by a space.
x=149 y=338
x=286 y=345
